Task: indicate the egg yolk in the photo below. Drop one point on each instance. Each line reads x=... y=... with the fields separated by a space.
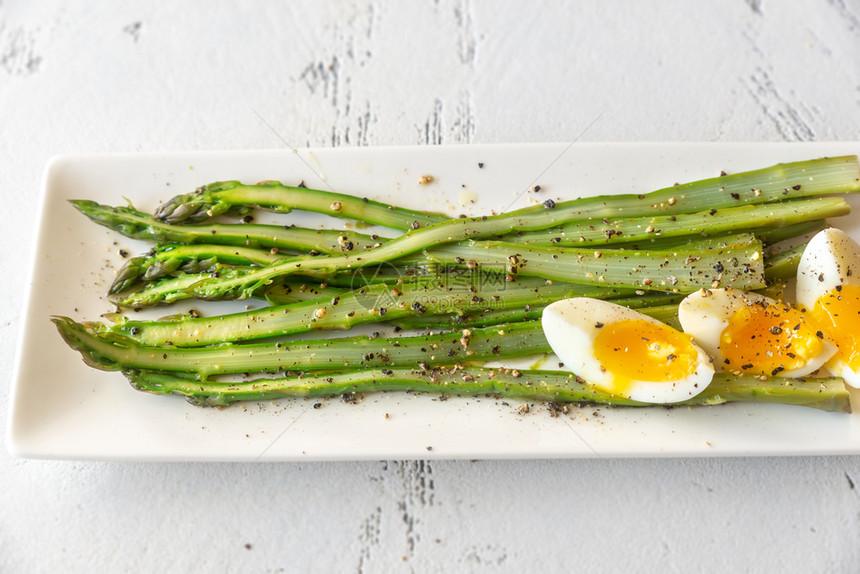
x=637 y=350
x=837 y=314
x=767 y=339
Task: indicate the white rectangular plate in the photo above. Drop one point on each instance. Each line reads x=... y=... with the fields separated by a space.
x=61 y=408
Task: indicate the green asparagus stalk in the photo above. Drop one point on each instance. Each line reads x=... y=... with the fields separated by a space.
x=747 y=218
x=396 y=277
x=167 y=260
x=211 y=259
x=137 y=225
x=112 y=351
x=767 y=235
x=784 y=181
x=291 y=289
x=290 y=292
x=221 y=197
x=773 y=235
x=736 y=265
x=170 y=260
x=679 y=271
x=371 y=304
x=663 y=307
x=710 y=263
x=109 y=351
x=781 y=182
x=827 y=394
x=783 y=265
x=776 y=183
x=174 y=288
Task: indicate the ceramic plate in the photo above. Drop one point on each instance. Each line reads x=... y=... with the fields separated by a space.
x=61 y=408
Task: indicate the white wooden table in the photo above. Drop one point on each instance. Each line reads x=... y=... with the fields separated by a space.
x=159 y=76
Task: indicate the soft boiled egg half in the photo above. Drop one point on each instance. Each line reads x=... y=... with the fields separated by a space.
x=624 y=352
x=753 y=334
x=828 y=288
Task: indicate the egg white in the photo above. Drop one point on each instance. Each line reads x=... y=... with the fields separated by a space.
x=570 y=327
x=831 y=258
x=705 y=314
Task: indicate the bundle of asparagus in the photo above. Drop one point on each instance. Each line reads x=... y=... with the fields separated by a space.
x=471 y=288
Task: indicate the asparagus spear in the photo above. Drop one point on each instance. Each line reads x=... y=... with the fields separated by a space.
x=771 y=222
x=171 y=259
x=137 y=225
x=678 y=271
x=297 y=291
x=772 y=235
x=767 y=235
x=109 y=351
x=207 y=259
x=661 y=306
x=174 y=288
x=810 y=178
x=707 y=263
x=657 y=270
x=293 y=290
x=823 y=176
x=166 y=260
x=783 y=265
x=777 y=183
x=112 y=351
x=780 y=182
x=366 y=305
x=710 y=222
x=164 y=290
x=554 y=386
x=220 y=197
